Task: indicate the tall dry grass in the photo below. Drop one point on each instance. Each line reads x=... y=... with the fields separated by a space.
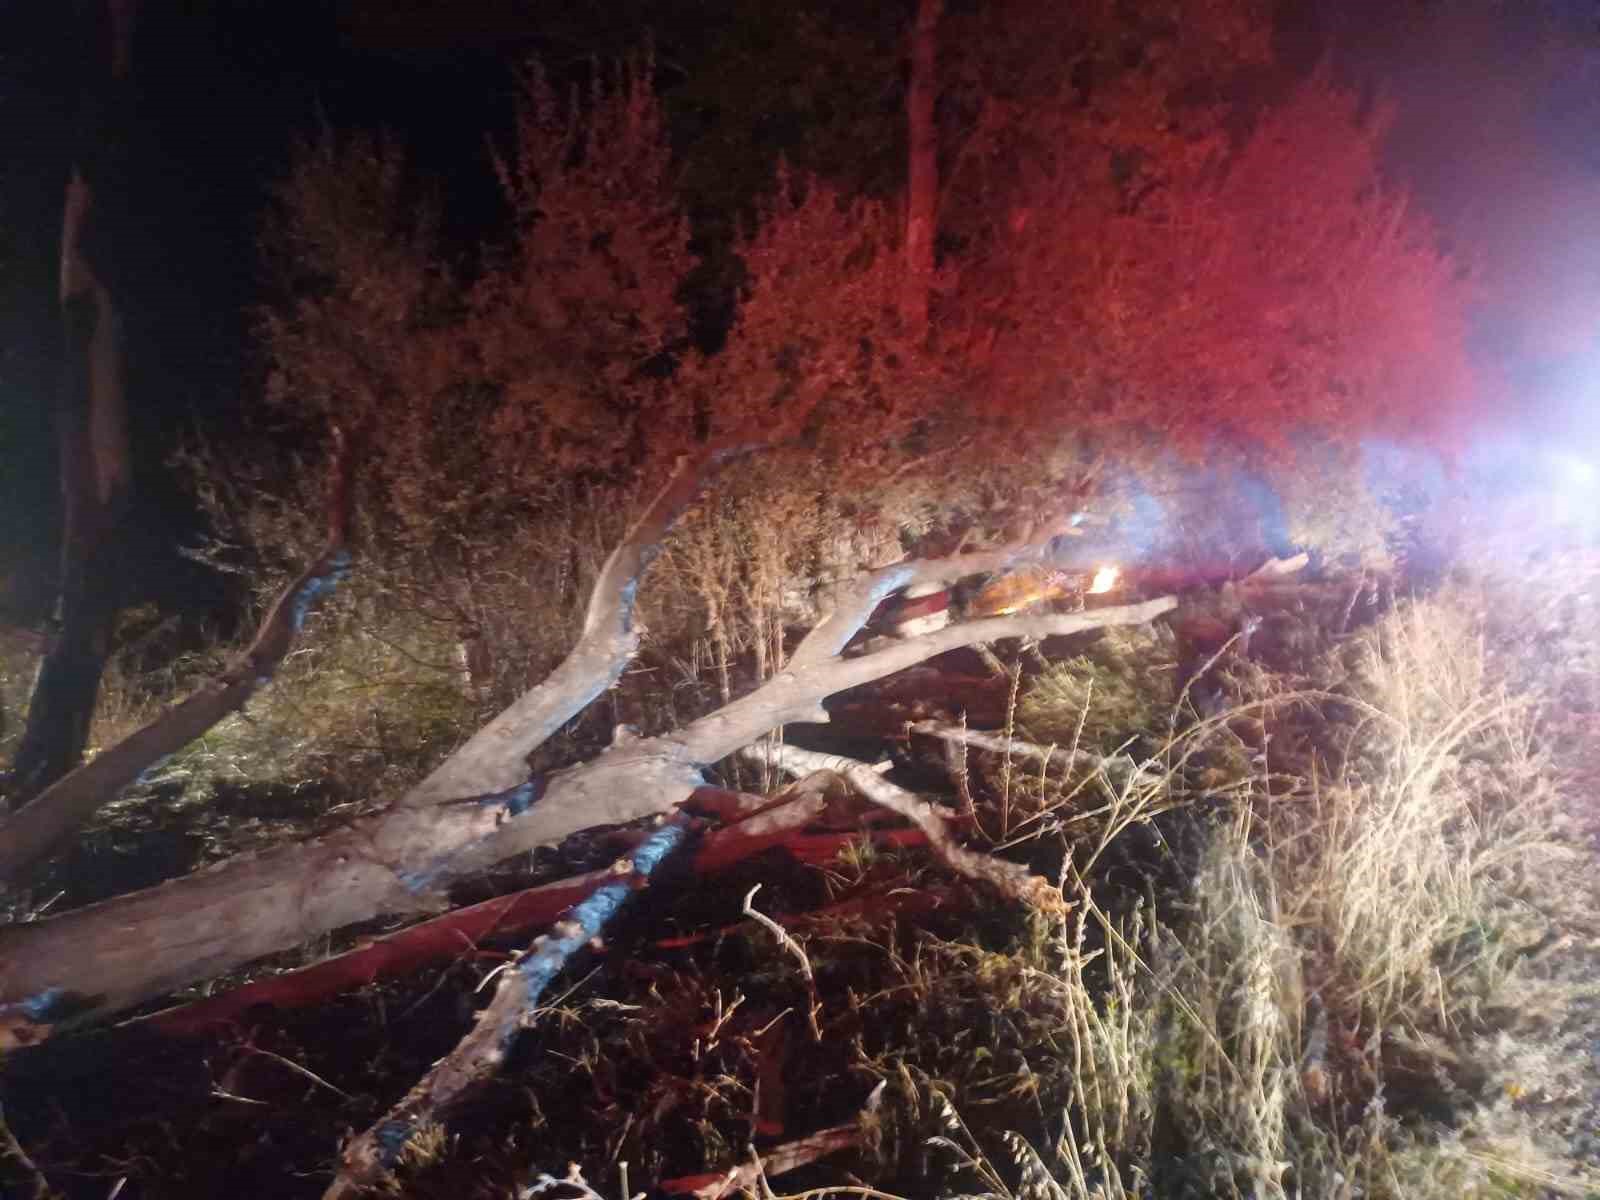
x=1345 y=1000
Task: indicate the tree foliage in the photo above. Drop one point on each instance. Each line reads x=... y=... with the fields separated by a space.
x=1147 y=245
x=1125 y=248
x=359 y=334
x=816 y=352
x=1257 y=292
x=575 y=325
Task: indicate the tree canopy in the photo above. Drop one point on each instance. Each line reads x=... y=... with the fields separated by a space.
x=1139 y=241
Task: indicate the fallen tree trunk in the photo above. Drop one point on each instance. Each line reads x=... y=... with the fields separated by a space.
x=273 y=901
x=107 y=957
x=460 y=932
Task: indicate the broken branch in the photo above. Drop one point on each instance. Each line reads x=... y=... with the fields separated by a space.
x=1009 y=878
x=32 y=832
x=790 y=1156
x=1016 y=747
x=477 y=1056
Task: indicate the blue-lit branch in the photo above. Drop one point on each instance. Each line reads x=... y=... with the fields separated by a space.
x=478 y=1055
x=30 y=834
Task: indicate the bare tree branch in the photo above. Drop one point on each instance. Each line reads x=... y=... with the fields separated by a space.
x=855 y=602
x=375 y=1153
x=30 y=834
x=1017 y=748
x=494 y=758
x=1008 y=878
x=778 y=1160
x=121 y=952
x=794 y=695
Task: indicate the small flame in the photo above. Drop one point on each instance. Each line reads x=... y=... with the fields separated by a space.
x=1104 y=580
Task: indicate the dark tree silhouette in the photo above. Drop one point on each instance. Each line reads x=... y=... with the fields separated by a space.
x=91 y=419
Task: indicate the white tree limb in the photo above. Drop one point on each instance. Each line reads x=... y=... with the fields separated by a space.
x=1009 y=878
x=110 y=956
x=1000 y=744
x=32 y=832
x=494 y=758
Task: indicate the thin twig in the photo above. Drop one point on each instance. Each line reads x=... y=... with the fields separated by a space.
x=794 y=948
x=298 y=1069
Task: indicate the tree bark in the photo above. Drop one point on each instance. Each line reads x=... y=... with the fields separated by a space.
x=91 y=437
x=113 y=955
x=459 y=933
x=922 y=178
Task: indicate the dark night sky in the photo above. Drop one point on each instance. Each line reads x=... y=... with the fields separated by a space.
x=224 y=84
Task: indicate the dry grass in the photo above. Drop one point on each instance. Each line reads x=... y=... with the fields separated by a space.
x=1342 y=998
x=19 y=660
x=1343 y=1002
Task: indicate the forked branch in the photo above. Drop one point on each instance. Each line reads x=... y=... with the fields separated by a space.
x=495 y=758
x=105 y=957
